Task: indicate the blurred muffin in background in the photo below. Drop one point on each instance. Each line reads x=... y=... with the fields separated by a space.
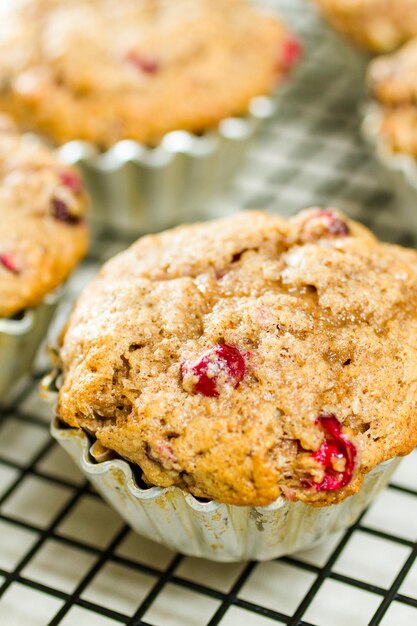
x=376 y=25
x=107 y=70
x=171 y=77
x=392 y=81
x=43 y=235
x=42 y=215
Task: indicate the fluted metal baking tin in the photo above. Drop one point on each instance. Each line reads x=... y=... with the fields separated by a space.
x=20 y=340
x=213 y=530
x=136 y=189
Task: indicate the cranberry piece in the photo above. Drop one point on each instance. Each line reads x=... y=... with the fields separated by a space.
x=336 y=454
x=62 y=214
x=7 y=261
x=337 y=227
x=219 y=366
x=145 y=64
x=290 y=53
x=165 y=451
x=332 y=224
x=72 y=181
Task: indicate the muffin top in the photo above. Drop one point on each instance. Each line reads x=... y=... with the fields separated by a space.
x=152 y=66
x=42 y=207
x=248 y=358
x=392 y=82
x=377 y=25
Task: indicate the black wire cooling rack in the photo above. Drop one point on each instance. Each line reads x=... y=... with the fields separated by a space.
x=66 y=558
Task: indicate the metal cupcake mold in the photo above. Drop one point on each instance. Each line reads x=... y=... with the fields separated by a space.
x=212 y=530
x=20 y=340
x=136 y=189
x=401 y=168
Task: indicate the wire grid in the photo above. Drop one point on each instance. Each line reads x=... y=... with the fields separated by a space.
x=66 y=558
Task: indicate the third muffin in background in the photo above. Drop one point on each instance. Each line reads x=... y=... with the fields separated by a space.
x=43 y=235
x=376 y=25
x=392 y=81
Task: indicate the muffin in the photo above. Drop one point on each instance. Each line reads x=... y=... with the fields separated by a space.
x=155 y=67
x=392 y=84
x=250 y=360
x=43 y=236
x=390 y=125
x=376 y=25
x=165 y=75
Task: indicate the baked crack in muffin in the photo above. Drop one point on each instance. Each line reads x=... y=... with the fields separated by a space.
x=248 y=358
x=377 y=25
x=107 y=70
x=393 y=84
x=42 y=209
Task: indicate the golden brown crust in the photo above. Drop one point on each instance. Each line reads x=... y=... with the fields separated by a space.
x=156 y=66
x=219 y=355
x=43 y=234
x=376 y=25
x=392 y=82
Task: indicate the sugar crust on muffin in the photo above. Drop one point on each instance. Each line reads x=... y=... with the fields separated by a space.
x=251 y=357
x=392 y=83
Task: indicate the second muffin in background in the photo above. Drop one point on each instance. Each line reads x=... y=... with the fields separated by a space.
x=151 y=68
x=171 y=76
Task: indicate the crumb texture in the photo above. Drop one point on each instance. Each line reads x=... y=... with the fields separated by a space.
x=43 y=234
x=251 y=357
x=376 y=25
x=152 y=66
x=392 y=82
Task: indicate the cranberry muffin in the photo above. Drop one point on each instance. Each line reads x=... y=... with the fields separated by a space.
x=152 y=66
x=376 y=25
x=248 y=358
x=43 y=232
x=392 y=83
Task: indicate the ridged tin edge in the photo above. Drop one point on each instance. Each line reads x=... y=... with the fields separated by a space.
x=136 y=189
x=213 y=530
x=20 y=340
